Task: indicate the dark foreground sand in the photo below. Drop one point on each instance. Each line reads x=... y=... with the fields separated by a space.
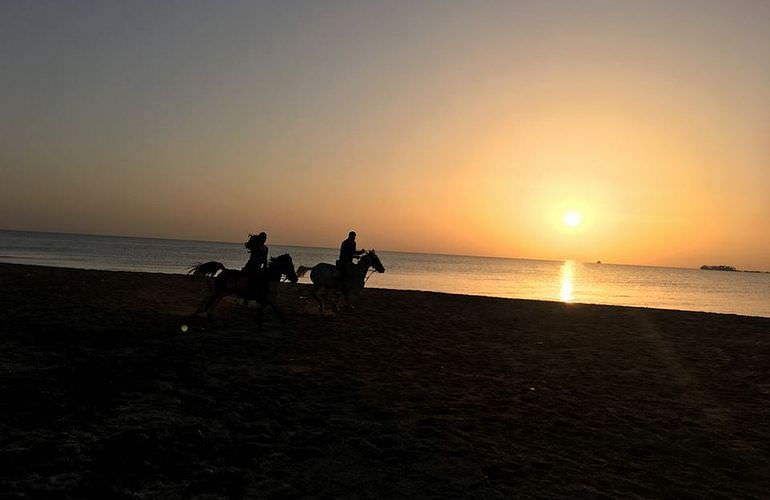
x=413 y=395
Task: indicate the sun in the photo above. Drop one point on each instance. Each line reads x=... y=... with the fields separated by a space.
x=573 y=218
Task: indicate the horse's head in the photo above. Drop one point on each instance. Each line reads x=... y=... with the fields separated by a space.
x=285 y=266
x=374 y=261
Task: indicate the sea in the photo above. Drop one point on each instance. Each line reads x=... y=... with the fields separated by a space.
x=564 y=281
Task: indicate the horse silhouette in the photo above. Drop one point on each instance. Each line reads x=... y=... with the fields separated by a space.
x=261 y=287
x=326 y=277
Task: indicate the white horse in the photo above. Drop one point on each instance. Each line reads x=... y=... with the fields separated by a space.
x=326 y=277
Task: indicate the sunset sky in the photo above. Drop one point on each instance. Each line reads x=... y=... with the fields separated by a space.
x=431 y=126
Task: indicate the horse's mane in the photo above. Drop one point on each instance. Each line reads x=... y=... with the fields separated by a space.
x=284 y=259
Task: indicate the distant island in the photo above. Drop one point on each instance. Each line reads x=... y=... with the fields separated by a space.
x=718 y=268
x=727 y=268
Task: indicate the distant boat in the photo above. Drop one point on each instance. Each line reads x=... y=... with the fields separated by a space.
x=718 y=268
x=598 y=262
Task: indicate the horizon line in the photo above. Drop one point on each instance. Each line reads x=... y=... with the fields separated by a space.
x=334 y=248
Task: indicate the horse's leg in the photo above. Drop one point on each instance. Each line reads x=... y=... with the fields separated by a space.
x=212 y=303
x=271 y=299
x=278 y=312
x=352 y=298
x=314 y=293
x=260 y=316
x=220 y=290
x=345 y=293
x=340 y=299
x=204 y=305
x=209 y=304
x=331 y=295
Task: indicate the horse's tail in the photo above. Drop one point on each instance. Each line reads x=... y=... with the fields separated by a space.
x=302 y=270
x=209 y=268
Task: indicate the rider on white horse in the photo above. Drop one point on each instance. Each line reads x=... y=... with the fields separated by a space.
x=348 y=252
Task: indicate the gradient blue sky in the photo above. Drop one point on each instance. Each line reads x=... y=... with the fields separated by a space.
x=456 y=127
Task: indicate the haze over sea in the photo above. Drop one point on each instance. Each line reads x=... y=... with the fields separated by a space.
x=565 y=281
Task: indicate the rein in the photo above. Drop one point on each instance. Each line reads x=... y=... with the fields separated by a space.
x=369 y=272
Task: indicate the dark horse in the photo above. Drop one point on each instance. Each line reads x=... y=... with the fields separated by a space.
x=261 y=287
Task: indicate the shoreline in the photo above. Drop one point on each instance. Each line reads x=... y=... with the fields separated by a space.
x=415 y=394
x=305 y=283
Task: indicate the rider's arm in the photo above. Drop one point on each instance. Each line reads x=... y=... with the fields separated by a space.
x=263 y=258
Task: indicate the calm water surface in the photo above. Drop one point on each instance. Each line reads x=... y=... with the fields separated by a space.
x=669 y=288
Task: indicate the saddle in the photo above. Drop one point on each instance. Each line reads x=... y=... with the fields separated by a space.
x=344 y=280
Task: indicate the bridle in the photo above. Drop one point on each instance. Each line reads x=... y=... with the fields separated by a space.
x=369 y=272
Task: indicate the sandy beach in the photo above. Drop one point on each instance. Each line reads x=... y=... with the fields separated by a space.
x=415 y=394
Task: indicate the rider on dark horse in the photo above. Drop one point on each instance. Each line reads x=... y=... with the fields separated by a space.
x=348 y=252
x=257 y=263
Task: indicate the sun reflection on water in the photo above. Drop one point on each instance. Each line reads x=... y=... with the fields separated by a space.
x=567 y=272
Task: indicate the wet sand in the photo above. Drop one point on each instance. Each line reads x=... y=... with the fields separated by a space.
x=413 y=395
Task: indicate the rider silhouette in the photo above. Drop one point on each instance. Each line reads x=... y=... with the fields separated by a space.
x=348 y=252
x=257 y=262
